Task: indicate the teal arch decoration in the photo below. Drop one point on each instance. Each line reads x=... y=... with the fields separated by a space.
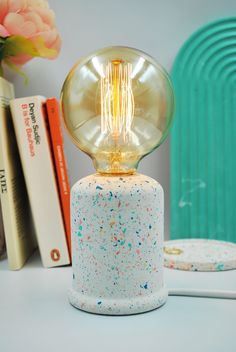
x=203 y=139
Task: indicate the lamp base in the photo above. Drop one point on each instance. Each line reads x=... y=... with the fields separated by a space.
x=117 y=244
x=109 y=306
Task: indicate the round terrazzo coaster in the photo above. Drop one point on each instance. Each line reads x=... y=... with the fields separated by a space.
x=199 y=255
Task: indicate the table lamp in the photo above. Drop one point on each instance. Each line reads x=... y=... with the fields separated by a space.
x=117 y=106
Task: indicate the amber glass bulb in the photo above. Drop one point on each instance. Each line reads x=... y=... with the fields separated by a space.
x=117 y=106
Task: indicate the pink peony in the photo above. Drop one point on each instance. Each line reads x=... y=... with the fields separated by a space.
x=33 y=20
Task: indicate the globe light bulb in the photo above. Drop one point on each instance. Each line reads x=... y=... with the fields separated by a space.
x=117 y=106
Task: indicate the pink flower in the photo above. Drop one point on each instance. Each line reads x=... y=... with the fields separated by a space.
x=33 y=20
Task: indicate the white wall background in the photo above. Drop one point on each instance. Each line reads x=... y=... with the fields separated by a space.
x=155 y=26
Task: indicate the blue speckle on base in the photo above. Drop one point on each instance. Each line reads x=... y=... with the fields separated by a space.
x=145 y=286
x=99 y=187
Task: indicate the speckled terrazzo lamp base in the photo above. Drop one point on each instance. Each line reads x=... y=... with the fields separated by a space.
x=117 y=106
x=117 y=240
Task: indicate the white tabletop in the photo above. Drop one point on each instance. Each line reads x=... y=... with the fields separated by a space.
x=36 y=316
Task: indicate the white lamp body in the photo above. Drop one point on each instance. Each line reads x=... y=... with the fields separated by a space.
x=117 y=244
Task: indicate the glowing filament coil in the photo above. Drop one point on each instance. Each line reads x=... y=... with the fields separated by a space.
x=117 y=102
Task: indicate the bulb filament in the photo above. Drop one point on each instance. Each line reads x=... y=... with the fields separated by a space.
x=117 y=102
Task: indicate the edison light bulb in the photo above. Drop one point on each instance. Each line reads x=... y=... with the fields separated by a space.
x=117 y=106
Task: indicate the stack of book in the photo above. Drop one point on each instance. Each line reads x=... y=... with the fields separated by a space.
x=34 y=186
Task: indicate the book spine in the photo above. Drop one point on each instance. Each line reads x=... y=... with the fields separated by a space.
x=53 y=115
x=6 y=93
x=19 y=232
x=34 y=146
x=2 y=236
x=8 y=178
x=13 y=261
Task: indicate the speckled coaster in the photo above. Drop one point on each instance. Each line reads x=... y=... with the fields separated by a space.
x=199 y=255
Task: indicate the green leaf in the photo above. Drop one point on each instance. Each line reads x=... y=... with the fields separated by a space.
x=1 y=69
x=17 y=45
